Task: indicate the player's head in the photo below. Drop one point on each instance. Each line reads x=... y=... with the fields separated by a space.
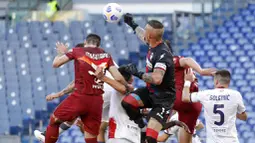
x=80 y=45
x=154 y=31
x=222 y=78
x=128 y=77
x=93 y=40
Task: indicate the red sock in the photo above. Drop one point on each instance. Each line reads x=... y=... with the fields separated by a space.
x=91 y=140
x=52 y=133
x=151 y=133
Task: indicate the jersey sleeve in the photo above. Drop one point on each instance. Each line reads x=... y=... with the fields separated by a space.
x=163 y=60
x=240 y=107
x=110 y=62
x=177 y=61
x=71 y=54
x=197 y=96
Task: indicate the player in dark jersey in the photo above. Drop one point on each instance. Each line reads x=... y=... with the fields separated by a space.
x=159 y=94
x=86 y=100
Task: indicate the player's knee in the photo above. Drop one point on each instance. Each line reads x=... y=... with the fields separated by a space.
x=54 y=120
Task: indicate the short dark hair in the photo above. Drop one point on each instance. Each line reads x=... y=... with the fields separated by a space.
x=80 y=45
x=125 y=74
x=93 y=39
x=155 y=24
x=223 y=76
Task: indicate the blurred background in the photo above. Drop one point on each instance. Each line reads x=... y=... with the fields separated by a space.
x=217 y=33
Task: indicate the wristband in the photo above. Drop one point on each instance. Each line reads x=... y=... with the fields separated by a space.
x=187 y=83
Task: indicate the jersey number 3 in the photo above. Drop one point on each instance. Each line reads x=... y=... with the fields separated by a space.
x=216 y=110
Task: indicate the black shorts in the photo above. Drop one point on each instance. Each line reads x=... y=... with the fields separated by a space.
x=160 y=102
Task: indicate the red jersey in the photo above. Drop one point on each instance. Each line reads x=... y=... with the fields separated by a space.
x=85 y=60
x=179 y=76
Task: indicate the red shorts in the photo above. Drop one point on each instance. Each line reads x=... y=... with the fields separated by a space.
x=88 y=108
x=188 y=112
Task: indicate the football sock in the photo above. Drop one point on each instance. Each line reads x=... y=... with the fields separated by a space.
x=151 y=135
x=52 y=133
x=91 y=140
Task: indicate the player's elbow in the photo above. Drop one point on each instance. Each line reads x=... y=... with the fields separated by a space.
x=55 y=64
x=157 y=81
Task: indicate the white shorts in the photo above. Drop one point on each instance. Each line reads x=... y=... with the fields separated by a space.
x=114 y=140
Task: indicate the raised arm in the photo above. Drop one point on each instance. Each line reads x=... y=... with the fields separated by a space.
x=129 y=20
x=117 y=75
x=190 y=62
x=188 y=76
x=124 y=89
x=61 y=58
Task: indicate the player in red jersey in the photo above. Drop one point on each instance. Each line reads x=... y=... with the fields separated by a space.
x=188 y=112
x=86 y=100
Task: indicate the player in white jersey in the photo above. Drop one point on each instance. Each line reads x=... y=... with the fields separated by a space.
x=221 y=107
x=121 y=128
x=176 y=129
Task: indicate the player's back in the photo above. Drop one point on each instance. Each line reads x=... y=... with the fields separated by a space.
x=179 y=73
x=85 y=62
x=220 y=108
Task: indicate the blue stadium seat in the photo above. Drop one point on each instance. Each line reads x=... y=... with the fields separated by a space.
x=212 y=35
x=134 y=58
x=229 y=41
x=216 y=41
x=233 y=30
x=4 y=126
x=224 y=35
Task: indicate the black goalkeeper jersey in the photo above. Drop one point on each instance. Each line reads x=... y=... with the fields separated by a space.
x=162 y=58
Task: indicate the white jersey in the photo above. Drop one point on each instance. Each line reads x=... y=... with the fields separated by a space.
x=120 y=126
x=175 y=130
x=220 y=108
x=108 y=90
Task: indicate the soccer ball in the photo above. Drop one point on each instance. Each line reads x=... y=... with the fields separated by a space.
x=112 y=12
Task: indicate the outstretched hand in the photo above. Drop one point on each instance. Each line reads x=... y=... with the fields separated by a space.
x=99 y=73
x=132 y=69
x=61 y=48
x=129 y=20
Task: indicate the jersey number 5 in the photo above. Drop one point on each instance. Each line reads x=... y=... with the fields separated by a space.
x=216 y=110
